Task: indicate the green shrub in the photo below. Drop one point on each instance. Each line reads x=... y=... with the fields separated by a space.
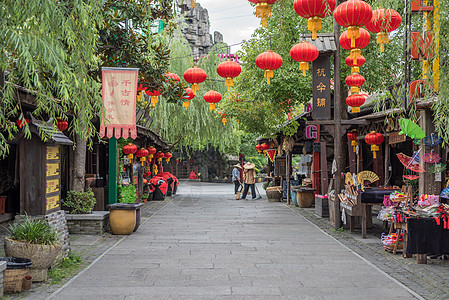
x=33 y=231
x=127 y=194
x=80 y=202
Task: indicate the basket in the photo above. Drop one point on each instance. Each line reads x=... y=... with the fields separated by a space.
x=12 y=280
x=390 y=248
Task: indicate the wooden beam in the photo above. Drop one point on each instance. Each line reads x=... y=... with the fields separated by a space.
x=343 y=122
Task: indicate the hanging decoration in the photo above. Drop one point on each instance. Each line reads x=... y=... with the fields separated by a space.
x=193 y=3
x=374 y=139
x=259 y=151
x=263 y=9
x=223 y=119
x=212 y=97
x=142 y=153
x=173 y=76
x=355 y=81
x=62 y=124
x=432 y=140
x=411 y=129
x=410 y=163
x=352 y=136
x=382 y=22
x=167 y=156
x=159 y=156
x=264 y=147
x=153 y=96
x=140 y=91
x=151 y=152
x=195 y=76
x=190 y=96
x=271 y=153
x=361 y=42
x=314 y=11
x=304 y=53
x=269 y=61
x=353 y=14
x=355 y=67
x=229 y=69
x=355 y=101
x=129 y=150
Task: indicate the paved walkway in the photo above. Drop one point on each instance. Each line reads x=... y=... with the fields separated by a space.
x=205 y=245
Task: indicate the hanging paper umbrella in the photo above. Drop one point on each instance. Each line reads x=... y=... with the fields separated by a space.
x=411 y=129
x=410 y=177
x=431 y=158
x=432 y=140
x=410 y=163
x=437 y=168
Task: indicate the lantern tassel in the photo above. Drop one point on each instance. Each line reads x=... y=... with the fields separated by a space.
x=224 y=121
x=353 y=34
x=355 y=109
x=153 y=101
x=314 y=24
x=354 y=54
x=185 y=104
x=355 y=70
x=382 y=39
x=374 y=148
x=354 y=145
x=268 y=74
x=229 y=82
x=142 y=160
x=211 y=106
x=167 y=160
x=355 y=90
x=263 y=11
x=193 y=3
x=130 y=157
x=195 y=88
x=304 y=66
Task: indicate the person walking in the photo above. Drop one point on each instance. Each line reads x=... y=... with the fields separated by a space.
x=236 y=177
x=249 y=180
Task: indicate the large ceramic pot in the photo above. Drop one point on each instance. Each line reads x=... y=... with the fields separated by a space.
x=42 y=256
x=274 y=193
x=123 y=217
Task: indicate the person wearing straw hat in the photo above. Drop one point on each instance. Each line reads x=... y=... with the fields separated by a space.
x=236 y=177
x=249 y=180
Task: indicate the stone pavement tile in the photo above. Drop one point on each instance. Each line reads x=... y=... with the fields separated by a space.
x=256 y=291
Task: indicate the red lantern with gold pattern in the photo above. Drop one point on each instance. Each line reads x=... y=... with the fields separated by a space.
x=195 y=76
x=142 y=153
x=263 y=9
x=374 y=139
x=151 y=151
x=167 y=156
x=355 y=101
x=361 y=42
x=190 y=95
x=259 y=151
x=154 y=95
x=159 y=156
x=269 y=61
x=355 y=68
x=353 y=14
x=355 y=81
x=383 y=22
x=304 y=53
x=314 y=10
x=212 y=97
x=62 y=124
x=129 y=150
x=173 y=76
x=229 y=69
x=224 y=119
x=352 y=136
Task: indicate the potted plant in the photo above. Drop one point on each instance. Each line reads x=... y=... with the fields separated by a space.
x=145 y=197
x=125 y=216
x=80 y=202
x=36 y=240
x=6 y=182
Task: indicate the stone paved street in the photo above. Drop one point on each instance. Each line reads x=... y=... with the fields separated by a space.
x=205 y=245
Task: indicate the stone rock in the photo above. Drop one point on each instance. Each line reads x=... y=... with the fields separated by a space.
x=218 y=37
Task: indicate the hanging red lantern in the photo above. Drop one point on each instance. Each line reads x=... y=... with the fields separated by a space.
x=142 y=153
x=374 y=139
x=223 y=119
x=382 y=22
x=229 y=69
x=269 y=61
x=355 y=68
x=159 y=156
x=353 y=14
x=352 y=136
x=190 y=95
x=212 y=97
x=62 y=124
x=167 y=156
x=154 y=95
x=304 y=53
x=264 y=146
x=361 y=42
x=263 y=9
x=141 y=90
x=195 y=76
x=314 y=10
x=259 y=151
x=173 y=76
x=21 y=124
x=355 y=101
x=355 y=81
x=129 y=150
x=151 y=151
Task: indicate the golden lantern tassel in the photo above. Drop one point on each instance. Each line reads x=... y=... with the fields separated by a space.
x=211 y=106
x=263 y=11
x=150 y=157
x=155 y=169
x=195 y=88
x=130 y=157
x=382 y=39
x=193 y=3
x=268 y=74
x=354 y=54
x=353 y=34
x=229 y=82
x=314 y=24
x=224 y=121
x=355 y=109
x=355 y=90
x=142 y=160
x=304 y=66
x=139 y=96
x=374 y=148
x=153 y=101
x=354 y=144
x=185 y=104
x=167 y=160
x=355 y=70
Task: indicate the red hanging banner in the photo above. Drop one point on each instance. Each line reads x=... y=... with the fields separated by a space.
x=271 y=153
x=119 y=99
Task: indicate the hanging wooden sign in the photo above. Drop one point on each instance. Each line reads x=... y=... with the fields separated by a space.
x=395 y=138
x=321 y=88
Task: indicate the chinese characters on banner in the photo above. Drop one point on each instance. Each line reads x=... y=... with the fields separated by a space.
x=321 y=88
x=119 y=99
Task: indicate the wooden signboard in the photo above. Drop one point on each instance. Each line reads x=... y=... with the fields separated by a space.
x=279 y=167
x=321 y=88
x=395 y=138
x=52 y=190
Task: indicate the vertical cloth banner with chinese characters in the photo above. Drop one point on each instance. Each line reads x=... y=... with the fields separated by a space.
x=119 y=99
x=321 y=88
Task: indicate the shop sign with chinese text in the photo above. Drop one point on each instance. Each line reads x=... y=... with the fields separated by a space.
x=321 y=89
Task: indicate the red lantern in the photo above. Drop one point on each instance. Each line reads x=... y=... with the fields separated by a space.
x=259 y=151
x=314 y=10
x=173 y=76
x=383 y=22
x=353 y=14
x=129 y=150
x=153 y=95
x=142 y=153
x=62 y=124
x=360 y=61
x=264 y=146
x=355 y=101
x=159 y=156
x=223 y=119
x=269 y=61
x=190 y=95
x=151 y=151
x=263 y=9
x=229 y=69
x=304 y=53
x=361 y=42
x=21 y=124
x=352 y=136
x=355 y=81
x=212 y=97
x=195 y=76
x=374 y=139
x=167 y=156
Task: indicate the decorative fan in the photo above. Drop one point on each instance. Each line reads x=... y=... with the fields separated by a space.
x=410 y=177
x=410 y=163
x=348 y=179
x=367 y=176
x=432 y=140
x=411 y=129
x=431 y=158
x=437 y=168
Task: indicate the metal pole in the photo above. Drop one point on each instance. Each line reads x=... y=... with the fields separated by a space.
x=405 y=88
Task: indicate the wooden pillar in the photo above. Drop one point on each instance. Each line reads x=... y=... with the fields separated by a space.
x=288 y=163
x=352 y=159
x=378 y=166
x=315 y=176
x=140 y=171
x=386 y=164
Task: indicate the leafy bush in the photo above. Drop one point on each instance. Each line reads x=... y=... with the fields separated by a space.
x=127 y=194
x=80 y=202
x=67 y=267
x=33 y=231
